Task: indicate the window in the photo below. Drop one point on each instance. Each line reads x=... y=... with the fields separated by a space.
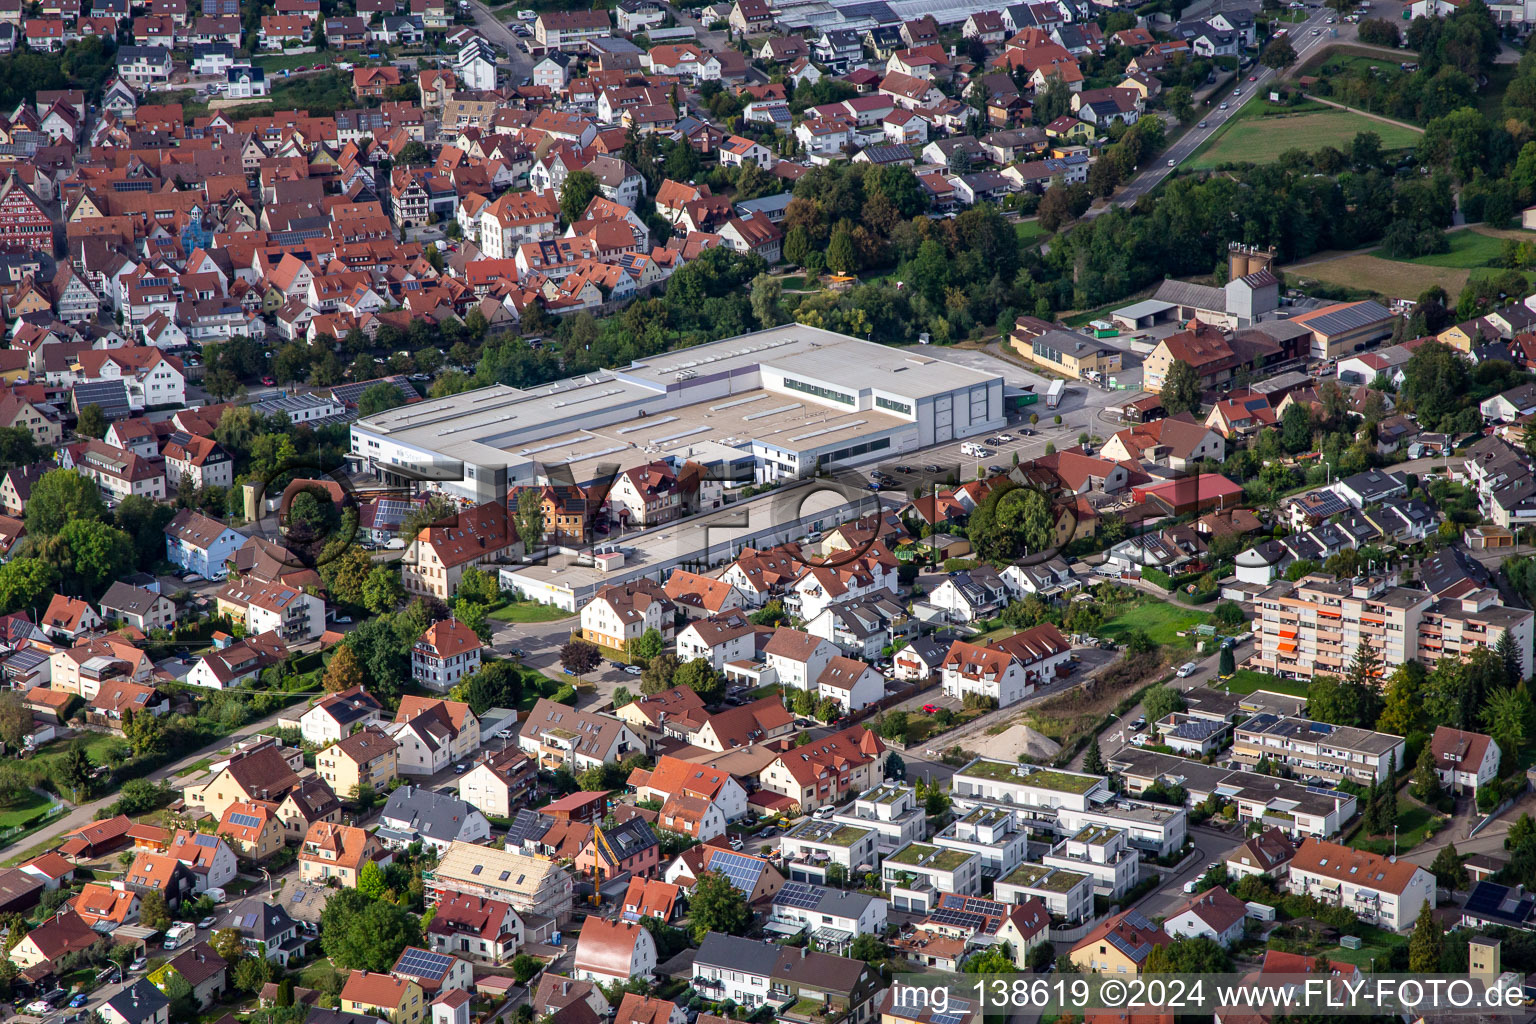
x=893 y=405
x=818 y=391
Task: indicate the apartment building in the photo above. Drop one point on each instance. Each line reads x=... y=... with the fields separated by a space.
x=1315 y=625
x=891 y=810
x=1067 y=893
x=812 y=847
x=918 y=873
x=1383 y=891
x=1316 y=749
x=991 y=833
x=1456 y=626
x=439 y=554
x=1036 y=795
x=619 y=614
x=1102 y=852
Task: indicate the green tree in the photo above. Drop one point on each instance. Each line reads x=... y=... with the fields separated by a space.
x=92 y=422
x=377 y=398
x=700 y=677
x=1426 y=780
x=478 y=585
x=1093 y=760
x=1278 y=54
x=1181 y=388
x=529 y=517
x=1187 y=956
x=59 y=497
x=76 y=768
x=1226 y=664
x=840 y=255
x=363 y=934
x=894 y=724
x=153 y=913
x=15 y=721
x=383 y=591
x=178 y=990
x=1507 y=716
x=524 y=967
x=1448 y=869
x=1161 y=701
x=657 y=676
x=647 y=645
x=717 y=906
x=24 y=582
x=1509 y=653
x=252 y=973
x=578 y=190
x=228 y=944
x=1296 y=428
x=1425 y=945
x=868 y=947
x=370 y=880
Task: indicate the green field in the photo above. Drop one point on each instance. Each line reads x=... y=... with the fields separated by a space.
x=1469 y=249
x=1160 y=620
x=528 y=611
x=1261 y=140
x=1247 y=681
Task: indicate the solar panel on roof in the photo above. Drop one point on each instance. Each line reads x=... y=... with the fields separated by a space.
x=207 y=842
x=799 y=894
x=743 y=872
x=245 y=820
x=423 y=963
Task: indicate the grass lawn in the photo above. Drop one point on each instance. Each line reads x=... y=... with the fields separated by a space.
x=1261 y=139
x=98 y=746
x=528 y=611
x=1469 y=248
x=1375 y=944
x=793 y=284
x=1160 y=620
x=1029 y=231
x=321 y=975
x=1246 y=680
x=288 y=61
x=195 y=767
x=1415 y=823
x=23 y=811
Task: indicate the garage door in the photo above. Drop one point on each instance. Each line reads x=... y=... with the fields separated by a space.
x=943 y=419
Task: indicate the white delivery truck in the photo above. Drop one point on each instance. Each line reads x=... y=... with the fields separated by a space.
x=1053 y=396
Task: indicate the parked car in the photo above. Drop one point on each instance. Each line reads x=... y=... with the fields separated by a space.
x=1189 y=888
x=633 y=670
x=930 y=709
x=270 y=382
x=79 y=1001
x=460 y=768
x=205 y=923
x=1187 y=669
x=138 y=965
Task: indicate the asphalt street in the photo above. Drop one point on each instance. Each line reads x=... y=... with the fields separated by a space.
x=1304 y=41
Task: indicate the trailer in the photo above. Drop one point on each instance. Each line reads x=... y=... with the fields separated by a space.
x=1053 y=396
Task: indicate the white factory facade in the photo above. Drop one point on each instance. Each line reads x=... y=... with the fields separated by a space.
x=773 y=405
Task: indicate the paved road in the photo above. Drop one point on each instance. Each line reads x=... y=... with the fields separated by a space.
x=493 y=27
x=1304 y=42
x=1210 y=846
